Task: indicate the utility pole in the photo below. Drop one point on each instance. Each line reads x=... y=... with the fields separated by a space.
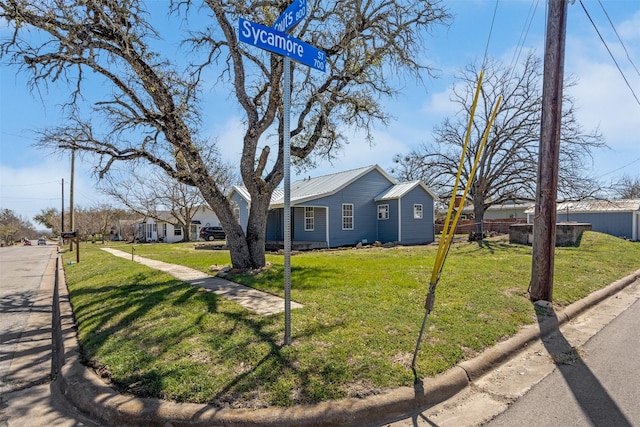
x=544 y=222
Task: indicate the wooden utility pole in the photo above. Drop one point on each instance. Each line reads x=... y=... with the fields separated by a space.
x=544 y=222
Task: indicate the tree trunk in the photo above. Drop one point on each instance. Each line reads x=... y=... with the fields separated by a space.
x=478 y=213
x=247 y=251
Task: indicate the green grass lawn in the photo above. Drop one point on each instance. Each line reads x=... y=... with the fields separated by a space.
x=156 y=336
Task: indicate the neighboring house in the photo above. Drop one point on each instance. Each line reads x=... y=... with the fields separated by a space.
x=514 y=209
x=497 y=218
x=357 y=206
x=620 y=218
x=165 y=228
x=124 y=229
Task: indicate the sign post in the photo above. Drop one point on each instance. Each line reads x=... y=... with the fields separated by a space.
x=277 y=40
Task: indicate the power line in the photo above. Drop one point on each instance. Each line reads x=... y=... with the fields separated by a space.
x=621 y=167
x=486 y=48
x=30 y=185
x=610 y=53
x=523 y=34
x=618 y=35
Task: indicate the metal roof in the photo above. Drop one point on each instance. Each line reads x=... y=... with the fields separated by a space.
x=308 y=189
x=619 y=205
x=399 y=190
x=314 y=188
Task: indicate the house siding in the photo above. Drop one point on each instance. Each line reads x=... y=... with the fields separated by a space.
x=243 y=211
x=319 y=225
x=358 y=193
x=388 y=228
x=417 y=231
x=619 y=224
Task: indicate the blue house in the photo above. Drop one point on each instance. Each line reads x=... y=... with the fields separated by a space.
x=362 y=205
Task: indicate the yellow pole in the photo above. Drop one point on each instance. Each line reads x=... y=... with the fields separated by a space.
x=471 y=175
x=445 y=229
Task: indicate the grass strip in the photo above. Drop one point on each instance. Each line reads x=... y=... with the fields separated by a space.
x=153 y=335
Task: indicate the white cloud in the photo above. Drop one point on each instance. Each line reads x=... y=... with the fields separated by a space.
x=27 y=190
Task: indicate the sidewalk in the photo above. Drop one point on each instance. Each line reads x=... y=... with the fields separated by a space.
x=260 y=302
x=413 y=404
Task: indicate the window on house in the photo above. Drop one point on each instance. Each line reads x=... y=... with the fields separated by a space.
x=177 y=230
x=308 y=219
x=417 y=211
x=347 y=216
x=383 y=211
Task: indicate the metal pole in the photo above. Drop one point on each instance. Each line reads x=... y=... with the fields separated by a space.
x=286 y=98
x=544 y=222
x=62 y=211
x=72 y=223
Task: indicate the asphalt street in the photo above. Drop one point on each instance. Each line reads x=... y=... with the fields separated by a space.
x=594 y=385
x=28 y=397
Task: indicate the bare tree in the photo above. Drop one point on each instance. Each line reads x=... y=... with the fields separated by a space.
x=628 y=187
x=97 y=219
x=507 y=166
x=152 y=194
x=150 y=112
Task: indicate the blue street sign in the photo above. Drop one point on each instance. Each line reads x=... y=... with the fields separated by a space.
x=281 y=43
x=291 y=16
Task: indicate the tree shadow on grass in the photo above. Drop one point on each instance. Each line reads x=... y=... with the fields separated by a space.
x=114 y=309
x=594 y=400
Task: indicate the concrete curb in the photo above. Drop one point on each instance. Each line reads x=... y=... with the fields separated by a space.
x=91 y=395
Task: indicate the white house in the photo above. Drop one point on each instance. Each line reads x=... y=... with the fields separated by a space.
x=165 y=227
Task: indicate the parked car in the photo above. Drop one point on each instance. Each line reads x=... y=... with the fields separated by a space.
x=42 y=241
x=212 y=233
x=26 y=242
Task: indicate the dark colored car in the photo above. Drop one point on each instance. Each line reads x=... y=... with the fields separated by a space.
x=212 y=233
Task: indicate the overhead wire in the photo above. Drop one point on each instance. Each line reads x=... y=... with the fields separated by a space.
x=450 y=223
x=523 y=35
x=619 y=38
x=610 y=53
x=486 y=48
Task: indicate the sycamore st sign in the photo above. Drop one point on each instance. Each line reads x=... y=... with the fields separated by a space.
x=281 y=43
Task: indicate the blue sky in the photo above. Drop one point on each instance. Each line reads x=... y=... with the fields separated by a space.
x=30 y=179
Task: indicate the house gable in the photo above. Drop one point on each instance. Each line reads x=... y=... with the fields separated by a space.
x=358 y=195
x=410 y=214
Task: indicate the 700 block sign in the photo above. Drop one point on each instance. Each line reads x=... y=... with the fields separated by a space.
x=281 y=43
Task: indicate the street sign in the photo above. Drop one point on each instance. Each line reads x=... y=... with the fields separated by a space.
x=68 y=234
x=276 y=40
x=281 y=43
x=291 y=16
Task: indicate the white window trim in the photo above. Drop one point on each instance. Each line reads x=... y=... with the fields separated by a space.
x=415 y=216
x=386 y=212
x=311 y=217
x=345 y=217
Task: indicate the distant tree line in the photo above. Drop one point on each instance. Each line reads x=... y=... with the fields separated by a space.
x=14 y=227
x=95 y=221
